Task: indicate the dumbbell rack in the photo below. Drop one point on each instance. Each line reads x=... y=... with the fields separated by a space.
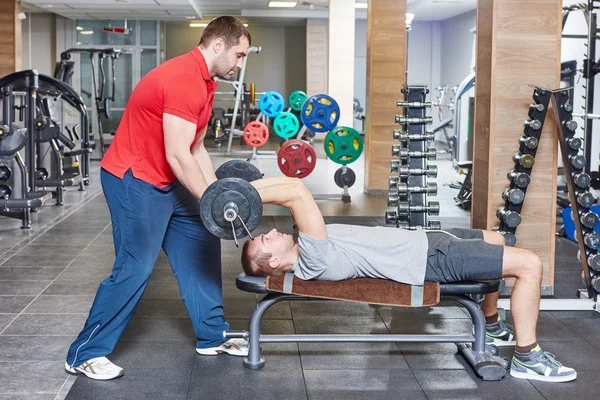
x=577 y=182
x=409 y=190
x=520 y=176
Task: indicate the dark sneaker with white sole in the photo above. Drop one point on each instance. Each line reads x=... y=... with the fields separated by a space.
x=500 y=334
x=100 y=368
x=540 y=366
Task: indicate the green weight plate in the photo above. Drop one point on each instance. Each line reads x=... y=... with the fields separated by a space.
x=343 y=145
x=286 y=125
x=297 y=99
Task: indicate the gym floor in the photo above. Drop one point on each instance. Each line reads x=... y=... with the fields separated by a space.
x=49 y=275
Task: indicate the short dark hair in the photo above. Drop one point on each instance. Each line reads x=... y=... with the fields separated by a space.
x=230 y=29
x=256 y=264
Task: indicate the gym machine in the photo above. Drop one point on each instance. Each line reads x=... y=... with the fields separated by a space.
x=21 y=195
x=408 y=190
x=102 y=102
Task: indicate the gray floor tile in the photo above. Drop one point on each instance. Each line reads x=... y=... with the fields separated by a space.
x=135 y=384
x=585 y=386
x=551 y=329
x=162 y=291
x=408 y=313
x=159 y=330
x=339 y=309
x=37 y=348
x=85 y=273
x=453 y=384
x=6 y=319
x=43 y=377
x=14 y=304
x=161 y=309
x=433 y=356
x=268 y=326
x=72 y=288
x=67 y=304
x=430 y=326
x=281 y=377
x=362 y=384
x=46 y=325
x=340 y=325
x=22 y=288
x=29 y=273
x=155 y=355
x=47 y=259
x=239 y=304
x=93 y=259
x=59 y=239
x=562 y=315
x=353 y=356
x=28 y=396
x=588 y=329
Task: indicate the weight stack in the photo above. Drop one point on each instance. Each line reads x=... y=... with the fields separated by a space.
x=520 y=176
x=578 y=183
x=409 y=188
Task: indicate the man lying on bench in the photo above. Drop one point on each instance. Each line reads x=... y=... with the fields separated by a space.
x=339 y=252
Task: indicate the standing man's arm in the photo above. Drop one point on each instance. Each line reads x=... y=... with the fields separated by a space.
x=179 y=136
x=201 y=155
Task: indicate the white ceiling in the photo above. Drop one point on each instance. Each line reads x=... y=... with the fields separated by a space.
x=424 y=10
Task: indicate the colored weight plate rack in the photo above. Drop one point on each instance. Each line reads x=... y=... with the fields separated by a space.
x=409 y=189
x=578 y=182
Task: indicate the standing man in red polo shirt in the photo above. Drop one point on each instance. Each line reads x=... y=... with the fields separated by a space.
x=153 y=175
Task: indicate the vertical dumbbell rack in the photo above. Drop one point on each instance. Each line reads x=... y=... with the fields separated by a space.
x=408 y=191
x=577 y=182
x=520 y=176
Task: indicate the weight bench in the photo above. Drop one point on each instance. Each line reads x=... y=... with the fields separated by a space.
x=486 y=364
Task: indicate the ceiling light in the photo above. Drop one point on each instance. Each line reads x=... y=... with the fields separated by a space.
x=283 y=4
x=48 y=5
x=190 y=17
x=79 y=28
x=87 y=32
x=361 y=5
x=409 y=18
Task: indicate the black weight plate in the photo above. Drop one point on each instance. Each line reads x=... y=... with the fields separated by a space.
x=225 y=191
x=238 y=169
x=342 y=178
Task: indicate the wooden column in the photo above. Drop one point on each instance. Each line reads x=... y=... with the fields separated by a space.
x=518 y=47
x=341 y=58
x=386 y=73
x=10 y=38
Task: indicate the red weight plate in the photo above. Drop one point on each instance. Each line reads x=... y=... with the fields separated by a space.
x=296 y=159
x=256 y=134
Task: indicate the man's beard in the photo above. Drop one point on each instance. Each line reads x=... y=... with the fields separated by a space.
x=223 y=69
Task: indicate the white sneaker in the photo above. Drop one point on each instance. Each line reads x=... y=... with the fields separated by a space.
x=235 y=347
x=99 y=368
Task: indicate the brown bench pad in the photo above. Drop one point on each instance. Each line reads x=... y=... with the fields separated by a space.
x=362 y=290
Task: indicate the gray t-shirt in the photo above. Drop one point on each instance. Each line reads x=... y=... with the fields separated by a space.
x=352 y=251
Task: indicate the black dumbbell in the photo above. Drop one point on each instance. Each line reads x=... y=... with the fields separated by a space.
x=577 y=161
x=530 y=142
x=5 y=192
x=589 y=219
x=509 y=238
x=404 y=136
x=5 y=173
x=585 y=199
x=397 y=151
x=582 y=180
x=524 y=160
x=404 y=120
x=593 y=261
x=571 y=125
x=592 y=240
x=404 y=170
x=534 y=124
x=520 y=179
x=512 y=219
x=575 y=143
x=533 y=108
x=515 y=196
x=432 y=208
x=404 y=190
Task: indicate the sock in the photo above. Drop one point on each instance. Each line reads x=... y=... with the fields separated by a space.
x=492 y=319
x=524 y=350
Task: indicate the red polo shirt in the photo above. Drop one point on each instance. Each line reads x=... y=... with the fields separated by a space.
x=182 y=87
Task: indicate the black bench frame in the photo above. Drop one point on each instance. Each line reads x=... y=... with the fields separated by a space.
x=486 y=364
